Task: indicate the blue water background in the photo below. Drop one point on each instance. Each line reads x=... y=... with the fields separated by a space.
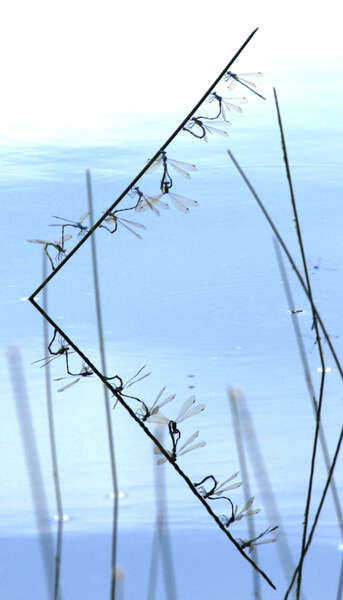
x=200 y=295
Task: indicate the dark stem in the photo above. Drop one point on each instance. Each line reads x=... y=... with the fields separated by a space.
x=153 y=438
x=146 y=167
x=309 y=383
x=52 y=441
x=320 y=349
x=321 y=502
x=106 y=395
x=289 y=257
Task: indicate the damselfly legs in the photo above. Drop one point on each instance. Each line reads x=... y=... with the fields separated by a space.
x=114 y=220
x=199 y=127
x=62 y=349
x=69 y=223
x=240 y=78
x=59 y=246
x=186 y=411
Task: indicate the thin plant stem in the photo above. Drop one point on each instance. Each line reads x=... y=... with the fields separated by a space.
x=33 y=466
x=52 y=441
x=262 y=478
x=106 y=394
x=153 y=438
x=145 y=168
x=340 y=582
x=309 y=383
x=320 y=505
x=319 y=344
x=161 y=546
x=289 y=257
x=233 y=397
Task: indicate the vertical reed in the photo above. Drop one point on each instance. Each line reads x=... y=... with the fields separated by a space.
x=33 y=466
x=266 y=490
x=234 y=399
x=52 y=441
x=106 y=394
x=161 y=546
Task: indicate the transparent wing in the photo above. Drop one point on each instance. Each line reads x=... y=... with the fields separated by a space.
x=146 y=203
x=160 y=393
x=166 y=401
x=65 y=387
x=151 y=201
x=251 y=548
x=193 y=411
x=182 y=165
x=190 y=440
x=133 y=379
x=211 y=129
x=39 y=242
x=233 y=486
x=83 y=217
x=129 y=228
x=181 y=171
x=182 y=202
x=133 y=223
x=227 y=480
x=65 y=239
x=178 y=203
x=158 y=418
x=194 y=447
x=63 y=219
x=154 y=165
x=185 y=406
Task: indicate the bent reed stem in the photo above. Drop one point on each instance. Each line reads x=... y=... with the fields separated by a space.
x=118 y=396
x=147 y=166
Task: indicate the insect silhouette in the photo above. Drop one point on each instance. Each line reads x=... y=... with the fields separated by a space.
x=181 y=168
x=84 y=372
x=216 y=490
x=186 y=411
x=59 y=246
x=225 y=104
x=250 y=544
x=145 y=202
x=234 y=78
x=62 y=349
x=199 y=127
x=237 y=515
x=75 y=224
x=176 y=452
x=181 y=202
x=145 y=412
x=114 y=220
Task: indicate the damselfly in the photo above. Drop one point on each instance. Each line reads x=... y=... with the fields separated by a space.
x=202 y=126
x=69 y=223
x=237 y=515
x=59 y=246
x=253 y=542
x=181 y=168
x=119 y=389
x=115 y=220
x=181 y=202
x=226 y=104
x=62 y=349
x=232 y=78
x=186 y=411
x=144 y=202
x=84 y=372
x=216 y=490
x=145 y=412
x=175 y=453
